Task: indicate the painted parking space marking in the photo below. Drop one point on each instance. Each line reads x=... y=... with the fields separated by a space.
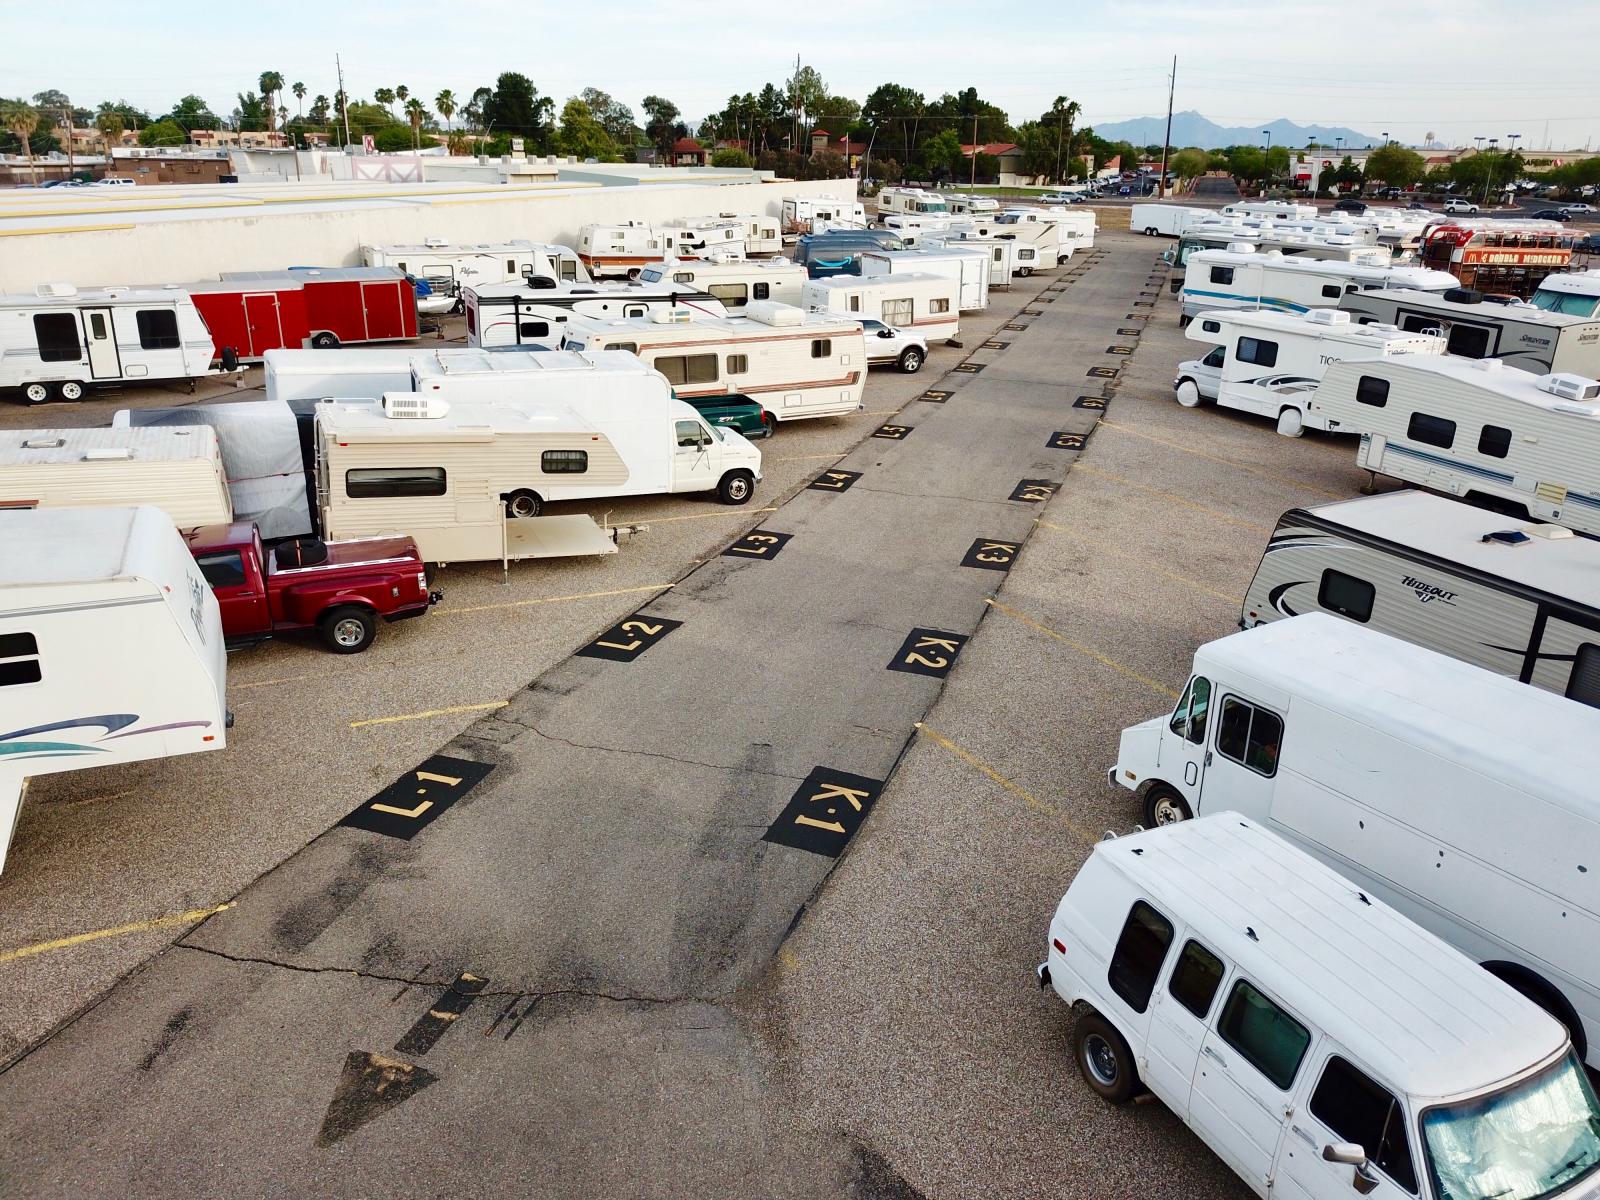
x=1034 y=802
x=1086 y=651
x=1097 y=402
x=418 y=798
x=1032 y=312
x=824 y=812
x=930 y=652
x=429 y=713
x=1120 y=349
x=934 y=396
x=893 y=433
x=991 y=554
x=758 y=543
x=627 y=640
x=1067 y=440
x=969 y=368
x=1144 y=303
x=442 y=1015
x=994 y=345
x=1015 y=326
x=193 y=917
x=1101 y=373
x=1033 y=491
x=1129 y=331
x=834 y=481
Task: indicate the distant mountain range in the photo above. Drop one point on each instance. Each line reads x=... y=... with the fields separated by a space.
x=1191 y=129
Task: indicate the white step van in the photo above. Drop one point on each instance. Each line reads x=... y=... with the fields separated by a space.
x=1314 y=1038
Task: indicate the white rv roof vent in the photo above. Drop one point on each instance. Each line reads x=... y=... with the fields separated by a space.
x=1554 y=533
x=671 y=316
x=1487 y=364
x=44 y=443
x=771 y=312
x=414 y=406
x=1241 y=247
x=1570 y=387
x=434 y=241
x=108 y=454
x=1371 y=260
x=1328 y=316
x=55 y=289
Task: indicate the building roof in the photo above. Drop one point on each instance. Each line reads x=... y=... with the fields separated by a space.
x=994 y=148
x=687 y=145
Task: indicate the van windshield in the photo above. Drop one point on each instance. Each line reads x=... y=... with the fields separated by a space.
x=1529 y=1141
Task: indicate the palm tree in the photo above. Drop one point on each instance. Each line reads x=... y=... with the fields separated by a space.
x=445 y=102
x=385 y=97
x=110 y=124
x=1065 y=112
x=299 y=90
x=271 y=84
x=21 y=120
x=401 y=93
x=416 y=113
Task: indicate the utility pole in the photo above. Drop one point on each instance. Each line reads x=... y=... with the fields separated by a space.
x=974 y=182
x=344 y=100
x=794 y=108
x=1166 y=142
x=71 y=169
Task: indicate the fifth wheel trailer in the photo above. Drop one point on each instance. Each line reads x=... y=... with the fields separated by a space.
x=1520 y=334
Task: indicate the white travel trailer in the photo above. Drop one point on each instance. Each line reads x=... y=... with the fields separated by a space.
x=763 y=236
x=111 y=647
x=915 y=201
x=734 y=283
x=1007 y=256
x=926 y=302
x=1051 y=242
x=618 y=251
x=1272 y=210
x=533 y=317
x=1319 y=1042
x=710 y=237
x=448 y=268
x=969 y=268
x=1521 y=602
x=963 y=204
x=801 y=214
x=1461 y=797
x=1075 y=227
x=465 y=463
x=913 y=228
x=794 y=363
x=1242 y=278
x=60 y=341
x=1525 y=336
x=1272 y=361
x=1165 y=220
x=177 y=470
x=1576 y=293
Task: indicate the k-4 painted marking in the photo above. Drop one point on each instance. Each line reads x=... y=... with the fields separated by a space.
x=1033 y=491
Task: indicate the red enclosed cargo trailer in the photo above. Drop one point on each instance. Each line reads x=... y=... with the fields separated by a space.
x=252 y=317
x=347 y=305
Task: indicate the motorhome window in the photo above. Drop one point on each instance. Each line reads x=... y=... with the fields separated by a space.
x=564 y=462
x=1584 y=684
x=738 y=364
x=222 y=570
x=1140 y=951
x=533 y=329
x=158 y=328
x=511 y=266
x=57 y=334
x=688 y=368
x=1271 y=1041
x=1330 y=291
x=732 y=295
x=19 y=659
x=1211 y=326
x=1250 y=736
x=1346 y=595
x=97 y=326
x=370 y=483
x=899 y=313
x=630 y=347
x=683 y=277
x=1216 y=358
x=690 y=433
x=939 y=306
x=1257 y=351
x=821 y=347
x=1189 y=718
x=1431 y=431
x=855 y=303
x=1358 y=1109
x=1495 y=441
x=1221 y=274
x=761 y=291
x=1372 y=391
x=1196 y=978
x=1468 y=341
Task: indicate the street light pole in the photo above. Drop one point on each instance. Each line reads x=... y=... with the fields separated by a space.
x=1266 y=167
x=1489 y=170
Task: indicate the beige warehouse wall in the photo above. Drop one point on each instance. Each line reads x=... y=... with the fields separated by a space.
x=283 y=235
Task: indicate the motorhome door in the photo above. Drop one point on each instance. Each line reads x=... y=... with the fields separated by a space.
x=101 y=337
x=692 y=468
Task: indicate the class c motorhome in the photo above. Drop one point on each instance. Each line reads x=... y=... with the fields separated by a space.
x=912 y=201
x=534 y=317
x=925 y=302
x=1576 y=293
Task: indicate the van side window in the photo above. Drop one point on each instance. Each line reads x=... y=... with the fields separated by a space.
x=1431 y=430
x=1584 y=683
x=1141 y=950
x=1221 y=274
x=1196 y=978
x=1250 y=736
x=1270 y=1039
x=1189 y=718
x=57 y=334
x=1211 y=326
x=690 y=433
x=225 y=569
x=1372 y=391
x=19 y=659
x=1255 y=350
x=1346 y=595
x=1357 y=1109
x=1494 y=441
x=158 y=329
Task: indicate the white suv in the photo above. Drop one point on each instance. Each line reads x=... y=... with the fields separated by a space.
x=903 y=348
x=1457 y=205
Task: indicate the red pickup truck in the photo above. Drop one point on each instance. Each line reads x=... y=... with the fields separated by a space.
x=340 y=589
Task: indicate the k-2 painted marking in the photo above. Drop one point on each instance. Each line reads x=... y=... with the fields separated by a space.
x=1066 y=440
x=834 y=481
x=1034 y=491
x=758 y=543
x=627 y=640
x=892 y=433
x=991 y=554
x=417 y=799
x=928 y=652
x=824 y=812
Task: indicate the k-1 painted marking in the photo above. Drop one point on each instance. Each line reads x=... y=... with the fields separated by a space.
x=824 y=812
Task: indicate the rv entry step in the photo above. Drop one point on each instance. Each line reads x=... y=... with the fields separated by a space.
x=555 y=537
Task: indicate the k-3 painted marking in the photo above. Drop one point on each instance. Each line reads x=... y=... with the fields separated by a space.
x=991 y=554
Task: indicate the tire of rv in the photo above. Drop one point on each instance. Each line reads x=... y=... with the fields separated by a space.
x=736 y=487
x=1183 y=322
x=1024 y=271
x=1291 y=422
x=325 y=340
x=1188 y=393
x=1150 y=231
x=1164 y=806
x=523 y=503
x=35 y=393
x=348 y=629
x=1104 y=1058
x=911 y=360
x=71 y=389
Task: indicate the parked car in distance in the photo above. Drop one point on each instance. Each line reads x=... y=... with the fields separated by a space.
x=1417 y=204
x=338 y=589
x=1552 y=214
x=1058 y=197
x=1350 y=206
x=886 y=344
x=1457 y=205
x=1589 y=244
x=1577 y=208
x=734 y=411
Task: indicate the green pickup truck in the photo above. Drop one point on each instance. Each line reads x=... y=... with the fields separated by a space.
x=734 y=411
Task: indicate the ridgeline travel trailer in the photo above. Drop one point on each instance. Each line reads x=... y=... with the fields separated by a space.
x=1463 y=798
x=1165 y=220
x=793 y=363
x=913 y=201
x=111 y=647
x=533 y=317
x=1075 y=227
x=926 y=303
x=1575 y=293
x=763 y=236
x=735 y=283
x=618 y=251
x=347 y=306
x=1272 y=361
x=913 y=229
x=969 y=269
x=801 y=213
x=60 y=342
x=1242 y=278
x=1521 y=602
x=177 y=470
x=448 y=268
x=1521 y=335
x=1474 y=428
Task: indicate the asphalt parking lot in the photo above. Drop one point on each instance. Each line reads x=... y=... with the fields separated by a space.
x=657 y=991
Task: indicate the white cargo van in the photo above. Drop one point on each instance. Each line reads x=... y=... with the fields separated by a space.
x=178 y=470
x=1459 y=796
x=1313 y=1037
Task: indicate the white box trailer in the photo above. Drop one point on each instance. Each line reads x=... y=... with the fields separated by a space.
x=1522 y=335
x=448 y=268
x=1460 y=797
x=533 y=317
x=794 y=363
x=969 y=268
x=618 y=251
x=1242 y=278
x=801 y=214
x=1272 y=361
x=59 y=342
x=177 y=470
x=487 y=436
x=111 y=647
x=1519 y=601
x=735 y=283
x=924 y=302
x=1474 y=428
x=1002 y=252
x=1165 y=220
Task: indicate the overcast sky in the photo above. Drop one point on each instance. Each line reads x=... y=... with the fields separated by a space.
x=1458 y=68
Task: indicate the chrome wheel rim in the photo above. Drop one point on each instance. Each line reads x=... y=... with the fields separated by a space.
x=349 y=632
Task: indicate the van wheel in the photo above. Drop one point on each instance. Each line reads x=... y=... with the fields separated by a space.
x=911 y=360
x=36 y=393
x=1188 y=393
x=736 y=487
x=523 y=503
x=1024 y=271
x=348 y=629
x=1291 y=423
x=1164 y=806
x=71 y=390
x=325 y=340
x=1104 y=1058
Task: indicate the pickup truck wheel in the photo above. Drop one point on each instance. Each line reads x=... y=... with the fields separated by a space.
x=325 y=341
x=1188 y=393
x=348 y=629
x=911 y=360
x=769 y=423
x=523 y=503
x=736 y=487
x=1104 y=1058
x=36 y=393
x=1164 y=806
x=71 y=390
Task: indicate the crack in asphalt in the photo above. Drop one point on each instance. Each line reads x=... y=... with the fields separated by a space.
x=532 y=727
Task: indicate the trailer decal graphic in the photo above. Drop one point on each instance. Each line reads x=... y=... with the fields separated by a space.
x=824 y=812
x=115 y=726
x=1275 y=597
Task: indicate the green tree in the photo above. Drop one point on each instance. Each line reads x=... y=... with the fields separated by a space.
x=662 y=126
x=582 y=136
x=416 y=113
x=370 y=118
x=164 y=132
x=1395 y=165
x=319 y=110
x=476 y=108
x=271 y=84
x=402 y=94
x=445 y=102
x=110 y=124
x=251 y=113
x=731 y=157
x=1190 y=163
x=516 y=107
x=385 y=97
x=943 y=156
x=20 y=120
x=837 y=114
x=1038 y=146
x=957 y=112
x=1277 y=162
x=804 y=91
x=1063 y=113
x=398 y=136
x=299 y=90
x=193 y=113
x=615 y=117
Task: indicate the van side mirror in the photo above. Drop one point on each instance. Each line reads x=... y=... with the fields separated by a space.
x=1352 y=1155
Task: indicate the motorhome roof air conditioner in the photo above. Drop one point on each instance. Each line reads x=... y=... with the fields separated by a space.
x=772 y=312
x=434 y=242
x=1328 y=316
x=1576 y=388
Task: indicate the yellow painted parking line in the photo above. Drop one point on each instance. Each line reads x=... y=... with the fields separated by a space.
x=455 y=612
x=78 y=939
x=432 y=712
x=1032 y=801
x=804 y=457
x=1143 y=561
x=1170 y=496
x=710 y=516
x=1227 y=462
x=1082 y=649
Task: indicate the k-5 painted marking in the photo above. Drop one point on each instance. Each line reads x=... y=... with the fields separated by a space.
x=834 y=481
x=758 y=543
x=934 y=396
x=991 y=554
x=418 y=798
x=1089 y=402
x=627 y=640
x=824 y=812
x=928 y=652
